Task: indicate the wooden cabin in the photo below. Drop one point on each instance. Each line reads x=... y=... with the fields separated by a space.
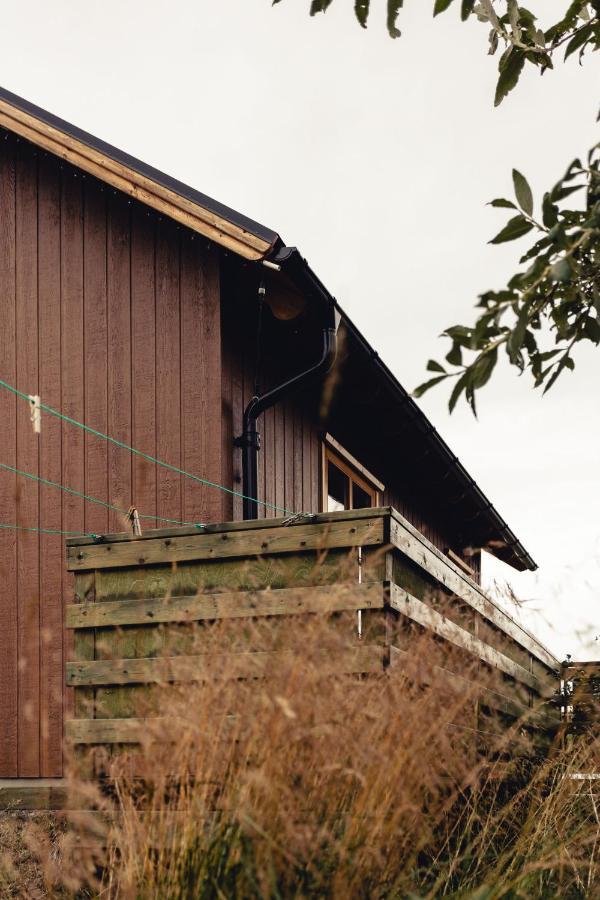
x=174 y=325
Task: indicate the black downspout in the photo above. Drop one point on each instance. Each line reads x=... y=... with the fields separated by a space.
x=249 y=440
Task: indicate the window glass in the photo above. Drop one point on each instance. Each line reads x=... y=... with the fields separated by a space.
x=346 y=489
x=337 y=489
x=361 y=499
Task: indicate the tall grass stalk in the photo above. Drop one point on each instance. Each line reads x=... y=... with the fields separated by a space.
x=310 y=785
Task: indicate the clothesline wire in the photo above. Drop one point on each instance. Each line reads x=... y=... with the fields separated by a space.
x=143 y=455
x=75 y=493
x=89 y=534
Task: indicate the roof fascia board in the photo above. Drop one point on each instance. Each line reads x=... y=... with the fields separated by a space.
x=133 y=178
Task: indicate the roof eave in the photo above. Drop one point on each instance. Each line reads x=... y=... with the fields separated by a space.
x=511 y=550
x=167 y=196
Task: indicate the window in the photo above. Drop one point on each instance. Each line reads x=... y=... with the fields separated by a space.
x=346 y=483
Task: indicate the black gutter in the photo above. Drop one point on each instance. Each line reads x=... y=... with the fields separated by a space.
x=249 y=440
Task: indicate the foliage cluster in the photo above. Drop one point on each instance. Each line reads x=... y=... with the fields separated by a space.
x=554 y=302
x=547 y=307
x=513 y=27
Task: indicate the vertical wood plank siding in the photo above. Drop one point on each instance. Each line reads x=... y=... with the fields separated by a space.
x=26 y=316
x=51 y=545
x=8 y=483
x=290 y=459
x=112 y=316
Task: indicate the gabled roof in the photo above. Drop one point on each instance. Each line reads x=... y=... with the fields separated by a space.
x=252 y=241
x=167 y=195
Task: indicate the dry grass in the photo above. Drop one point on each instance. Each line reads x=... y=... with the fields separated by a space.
x=29 y=848
x=304 y=785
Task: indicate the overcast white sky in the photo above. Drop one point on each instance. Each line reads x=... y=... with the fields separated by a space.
x=375 y=157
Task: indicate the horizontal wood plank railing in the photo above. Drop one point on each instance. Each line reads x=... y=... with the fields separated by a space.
x=226 y=605
x=132 y=595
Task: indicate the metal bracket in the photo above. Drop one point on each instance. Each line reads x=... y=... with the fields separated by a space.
x=248 y=439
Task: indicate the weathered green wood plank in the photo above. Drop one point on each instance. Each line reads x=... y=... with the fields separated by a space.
x=186 y=579
x=110 y=731
x=538 y=716
x=135 y=730
x=18 y=794
x=429 y=618
x=420 y=584
x=381 y=512
x=343 y=533
x=234 y=604
x=363 y=658
x=84 y=643
x=414 y=545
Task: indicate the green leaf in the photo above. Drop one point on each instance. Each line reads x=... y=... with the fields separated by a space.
x=470 y=395
x=466 y=8
x=501 y=203
x=454 y=356
x=549 y=354
x=561 y=270
x=517 y=336
x=573 y=170
x=393 y=8
x=441 y=6
x=486 y=13
x=512 y=66
x=515 y=228
x=557 y=235
x=460 y=335
x=523 y=192
x=482 y=368
x=536 y=249
x=580 y=38
x=319 y=6
x=559 y=367
x=513 y=17
x=565 y=362
x=433 y=366
x=592 y=330
x=361 y=11
x=459 y=387
x=422 y=388
x=596 y=296
x=559 y=193
x=549 y=211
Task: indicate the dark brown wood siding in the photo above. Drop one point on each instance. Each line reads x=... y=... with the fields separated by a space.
x=290 y=459
x=112 y=316
x=289 y=462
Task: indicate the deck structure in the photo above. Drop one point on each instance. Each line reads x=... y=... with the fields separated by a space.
x=129 y=593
